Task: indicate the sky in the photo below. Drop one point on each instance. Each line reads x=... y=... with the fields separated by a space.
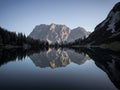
x=24 y=15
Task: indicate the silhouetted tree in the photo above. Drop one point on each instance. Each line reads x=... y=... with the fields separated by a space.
x=11 y=38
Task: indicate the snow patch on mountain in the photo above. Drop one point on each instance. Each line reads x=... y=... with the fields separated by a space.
x=107 y=31
x=115 y=18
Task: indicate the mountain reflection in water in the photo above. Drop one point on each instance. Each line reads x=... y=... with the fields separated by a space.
x=58 y=58
x=106 y=60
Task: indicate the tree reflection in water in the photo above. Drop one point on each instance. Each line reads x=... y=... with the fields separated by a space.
x=106 y=60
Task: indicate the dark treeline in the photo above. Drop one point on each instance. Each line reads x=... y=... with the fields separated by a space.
x=77 y=42
x=10 y=39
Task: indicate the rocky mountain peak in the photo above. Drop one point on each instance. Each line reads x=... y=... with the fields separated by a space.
x=57 y=33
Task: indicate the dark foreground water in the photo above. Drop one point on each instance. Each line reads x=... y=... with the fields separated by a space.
x=61 y=69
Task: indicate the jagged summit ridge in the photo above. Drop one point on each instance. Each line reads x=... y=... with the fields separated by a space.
x=57 y=33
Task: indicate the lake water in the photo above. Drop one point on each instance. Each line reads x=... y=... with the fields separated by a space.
x=59 y=69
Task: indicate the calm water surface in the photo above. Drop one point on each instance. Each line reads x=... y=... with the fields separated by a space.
x=61 y=69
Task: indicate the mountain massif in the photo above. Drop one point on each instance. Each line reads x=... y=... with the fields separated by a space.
x=107 y=33
x=57 y=33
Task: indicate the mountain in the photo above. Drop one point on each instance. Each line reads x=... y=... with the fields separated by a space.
x=57 y=33
x=77 y=33
x=52 y=33
x=108 y=31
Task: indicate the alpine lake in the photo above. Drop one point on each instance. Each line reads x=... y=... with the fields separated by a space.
x=59 y=69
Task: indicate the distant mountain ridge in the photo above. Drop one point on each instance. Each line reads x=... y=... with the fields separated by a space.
x=77 y=33
x=57 y=33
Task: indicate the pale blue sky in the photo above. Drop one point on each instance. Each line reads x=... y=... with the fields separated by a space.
x=24 y=15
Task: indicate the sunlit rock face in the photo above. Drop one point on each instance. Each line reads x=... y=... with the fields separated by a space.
x=57 y=58
x=57 y=33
